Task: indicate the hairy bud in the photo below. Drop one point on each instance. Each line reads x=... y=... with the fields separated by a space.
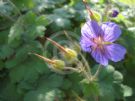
x=55 y=63
x=70 y=54
x=58 y=64
x=113 y=13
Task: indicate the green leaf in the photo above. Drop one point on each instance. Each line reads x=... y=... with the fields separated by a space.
x=15 y=32
x=75 y=79
x=119 y=93
x=90 y=88
x=53 y=81
x=63 y=13
x=28 y=71
x=127 y=90
x=5 y=8
x=59 y=22
x=22 y=54
x=3 y=37
x=27 y=27
x=43 y=20
x=128 y=2
x=57 y=2
x=9 y=93
x=2 y=64
x=35 y=25
x=6 y=52
x=40 y=30
x=118 y=77
x=109 y=83
x=46 y=95
x=66 y=84
x=24 y=3
x=29 y=18
x=106 y=74
x=106 y=92
x=47 y=89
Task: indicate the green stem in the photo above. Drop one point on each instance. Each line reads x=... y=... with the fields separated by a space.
x=87 y=75
x=96 y=98
x=15 y=7
x=86 y=64
x=6 y=16
x=73 y=69
x=97 y=72
x=83 y=70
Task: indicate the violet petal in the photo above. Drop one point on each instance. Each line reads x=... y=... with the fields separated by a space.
x=116 y=51
x=100 y=57
x=86 y=44
x=91 y=29
x=111 y=31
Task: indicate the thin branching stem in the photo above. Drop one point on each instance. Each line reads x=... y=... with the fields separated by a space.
x=83 y=58
x=14 y=7
x=86 y=64
x=96 y=98
x=84 y=71
x=6 y=16
x=97 y=72
x=73 y=69
x=87 y=7
x=87 y=75
x=57 y=45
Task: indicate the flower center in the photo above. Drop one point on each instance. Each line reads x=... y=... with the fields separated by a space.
x=98 y=41
x=99 y=44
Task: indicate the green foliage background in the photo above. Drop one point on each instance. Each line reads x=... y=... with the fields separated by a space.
x=24 y=77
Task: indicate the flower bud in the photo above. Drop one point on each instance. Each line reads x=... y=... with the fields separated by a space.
x=70 y=54
x=95 y=16
x=67 y=53
x=113 y=13
x=58 y=64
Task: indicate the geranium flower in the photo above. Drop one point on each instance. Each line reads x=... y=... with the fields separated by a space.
x=114 y=13
x=99 y=41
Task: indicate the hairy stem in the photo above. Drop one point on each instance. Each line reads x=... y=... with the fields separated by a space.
x=97 y=72
x=86 y=64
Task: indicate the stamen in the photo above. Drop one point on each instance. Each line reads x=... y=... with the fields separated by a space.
x=107 y=43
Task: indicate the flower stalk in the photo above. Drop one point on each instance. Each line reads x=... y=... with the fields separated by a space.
x=97 y=72
x=69 y=54
x=57 y=64
x=44 y=58
x=57 y=45
x=87 y=7
x=93 y=15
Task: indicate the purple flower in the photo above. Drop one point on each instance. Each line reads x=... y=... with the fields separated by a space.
x=98 y=40
x=114 y=13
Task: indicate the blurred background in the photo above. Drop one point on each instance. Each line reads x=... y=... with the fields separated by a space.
x=23 y=27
